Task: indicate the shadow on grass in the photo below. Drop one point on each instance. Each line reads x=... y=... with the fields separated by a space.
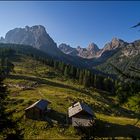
x=45 y=81
x=120 y=111
x=53 y=118
x=103 y=129
x=57 y=117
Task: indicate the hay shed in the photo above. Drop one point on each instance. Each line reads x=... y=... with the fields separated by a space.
x=81 y=115
x=37 y=110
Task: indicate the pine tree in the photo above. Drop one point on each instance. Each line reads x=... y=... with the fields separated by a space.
x=108 y=84
x=81 y=77
x=6 y=66
x=86 y=80
x=95 y=81
x=55 y=65
x=62 y=67
x=91 y=79
x=77 y=73
x=72 y=71
x=66 y=71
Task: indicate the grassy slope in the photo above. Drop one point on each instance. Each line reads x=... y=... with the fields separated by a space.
x=112 y=120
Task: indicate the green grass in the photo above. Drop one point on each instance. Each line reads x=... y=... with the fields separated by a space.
x=61 y=92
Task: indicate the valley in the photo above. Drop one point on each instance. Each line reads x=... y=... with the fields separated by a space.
x=117 y=51
x=31 y=80
x=70 y=70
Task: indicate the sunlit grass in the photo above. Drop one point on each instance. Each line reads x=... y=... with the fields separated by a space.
x=61 y=92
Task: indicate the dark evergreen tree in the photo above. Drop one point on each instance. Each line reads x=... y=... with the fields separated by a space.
x=77 y=73
x=91 y=79
x=72 y=71
x=8 y=128
x=66 y=71
x=6 y=66
x=86 y=79
x=81 y=75
x=55 y=65
x=108 y=85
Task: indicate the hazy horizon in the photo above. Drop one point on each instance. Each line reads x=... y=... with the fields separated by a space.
x=75 y=23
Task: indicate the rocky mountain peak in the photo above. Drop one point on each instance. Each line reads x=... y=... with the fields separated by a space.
x=93 y=47
x=38 y=28
x=35 y=36
x=88 y=52
x=27 y=28
x=65 y=48
x=112 y=46
x=115 y=43
x=115 y=39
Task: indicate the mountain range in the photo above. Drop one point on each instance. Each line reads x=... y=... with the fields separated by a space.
x=92 y=51
x=116 y=51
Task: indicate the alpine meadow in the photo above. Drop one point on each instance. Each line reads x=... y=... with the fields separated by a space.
x=55 y=86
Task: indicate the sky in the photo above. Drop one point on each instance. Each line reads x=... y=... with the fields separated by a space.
x=76 y=23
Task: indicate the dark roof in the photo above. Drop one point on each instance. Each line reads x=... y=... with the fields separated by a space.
x=41 y=104
x=78 y=107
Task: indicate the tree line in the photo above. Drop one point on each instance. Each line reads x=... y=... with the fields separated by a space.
x=85 y=77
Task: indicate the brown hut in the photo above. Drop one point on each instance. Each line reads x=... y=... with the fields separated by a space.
x=37 y=110
x=81 y=115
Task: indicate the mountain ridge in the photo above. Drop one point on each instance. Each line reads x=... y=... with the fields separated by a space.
x=88 y=52
x=92 y=51
x=123 y=59
x=89 y=57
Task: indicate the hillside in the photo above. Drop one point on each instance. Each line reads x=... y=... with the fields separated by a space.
x=32 y=80
x=124 y=55
x=125 y=58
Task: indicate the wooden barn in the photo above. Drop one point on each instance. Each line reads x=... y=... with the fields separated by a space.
x=37 y=110
x=81 y=115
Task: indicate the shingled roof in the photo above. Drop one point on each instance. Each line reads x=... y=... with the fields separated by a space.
x=78 y=107
x=41 y=104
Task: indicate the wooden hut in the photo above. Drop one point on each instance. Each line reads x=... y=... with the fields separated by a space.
x=81 y=115
x=37 y=110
